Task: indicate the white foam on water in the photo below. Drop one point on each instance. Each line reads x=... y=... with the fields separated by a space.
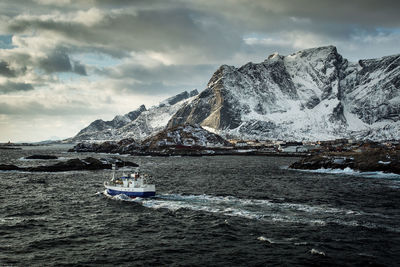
x=121 y=197
x=349 y=171
x=264 y=239
x=300 y=243
x=255 y=209
x=276 y=241
x=317 y=252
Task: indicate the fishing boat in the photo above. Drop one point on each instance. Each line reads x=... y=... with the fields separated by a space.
x=132 y=185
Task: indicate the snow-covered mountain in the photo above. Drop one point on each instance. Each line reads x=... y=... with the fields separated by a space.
x=314 y=94
x=137 y=124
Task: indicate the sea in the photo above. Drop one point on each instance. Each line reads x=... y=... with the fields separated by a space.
x=208 y=211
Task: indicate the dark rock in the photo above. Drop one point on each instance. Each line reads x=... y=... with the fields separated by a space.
x=125 y=146
x=368 y=161
x=72 y=165
x=313 y=102
x=106 y=147
x=5 y=167
x=184 y=137
x=41 y=157
x=134 y=114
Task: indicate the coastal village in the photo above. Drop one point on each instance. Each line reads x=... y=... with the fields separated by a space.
x=338 y=145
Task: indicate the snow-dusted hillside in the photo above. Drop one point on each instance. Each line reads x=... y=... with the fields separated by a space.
x=314 y=94
x=106 y=130
x=137 y=124
x=151 y=121
x=185 y=135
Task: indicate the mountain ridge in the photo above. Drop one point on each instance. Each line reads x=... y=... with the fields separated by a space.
x=137 y=124
x=313 y=94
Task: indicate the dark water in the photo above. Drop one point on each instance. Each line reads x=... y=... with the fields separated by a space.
x=210 y=211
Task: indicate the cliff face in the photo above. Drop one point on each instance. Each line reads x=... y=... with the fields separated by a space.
x=314 y=94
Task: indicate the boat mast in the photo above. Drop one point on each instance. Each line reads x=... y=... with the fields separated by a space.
x=113 y=172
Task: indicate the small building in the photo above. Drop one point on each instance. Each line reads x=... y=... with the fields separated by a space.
x=241 y=143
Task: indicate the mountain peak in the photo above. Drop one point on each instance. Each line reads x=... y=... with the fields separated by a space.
x=274 y=56
x=318 y=52
x=179 y=97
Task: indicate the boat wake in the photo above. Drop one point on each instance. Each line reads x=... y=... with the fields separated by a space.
x=258 y=209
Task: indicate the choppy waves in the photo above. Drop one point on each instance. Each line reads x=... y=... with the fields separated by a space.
x=258 y=209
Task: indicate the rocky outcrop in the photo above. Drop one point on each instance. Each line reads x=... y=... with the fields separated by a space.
x=124 y=146
x=189 y=140
x=71 y=165
x=41 y=157
x=372 y=160
x=184 y=136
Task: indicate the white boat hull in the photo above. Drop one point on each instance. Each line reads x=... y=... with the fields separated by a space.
x=132 y=192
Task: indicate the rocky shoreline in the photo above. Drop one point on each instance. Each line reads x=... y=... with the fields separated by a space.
x=367 y=161
x=76 y=164
x=190 y=151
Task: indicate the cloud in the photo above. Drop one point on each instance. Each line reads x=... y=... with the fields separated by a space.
x=5 y=70
x=116 y=31
x=79 y=68
x=12 y=87
x=161 y=76
x=56 y=61
x=59 y=61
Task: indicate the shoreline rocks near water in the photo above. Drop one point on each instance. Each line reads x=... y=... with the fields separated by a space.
x=368 y=161
x=72 y=165
x=124 y=147
x=41 y=157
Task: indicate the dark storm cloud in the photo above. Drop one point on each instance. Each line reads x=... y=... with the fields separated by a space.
x=11 y=87
x=149 y=88
x=178 y=74
x=78 y=68
x=160 y=30
x=384 y=13
x=257 y=12
x=212 y=28
x=33 y=108
x=368 y=12
x=5 y=70
x=56 y=61
x=59 y=61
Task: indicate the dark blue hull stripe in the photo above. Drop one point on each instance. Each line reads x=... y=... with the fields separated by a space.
x=131 y=194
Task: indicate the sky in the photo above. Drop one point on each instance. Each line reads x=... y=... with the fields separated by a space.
x=65 y=63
